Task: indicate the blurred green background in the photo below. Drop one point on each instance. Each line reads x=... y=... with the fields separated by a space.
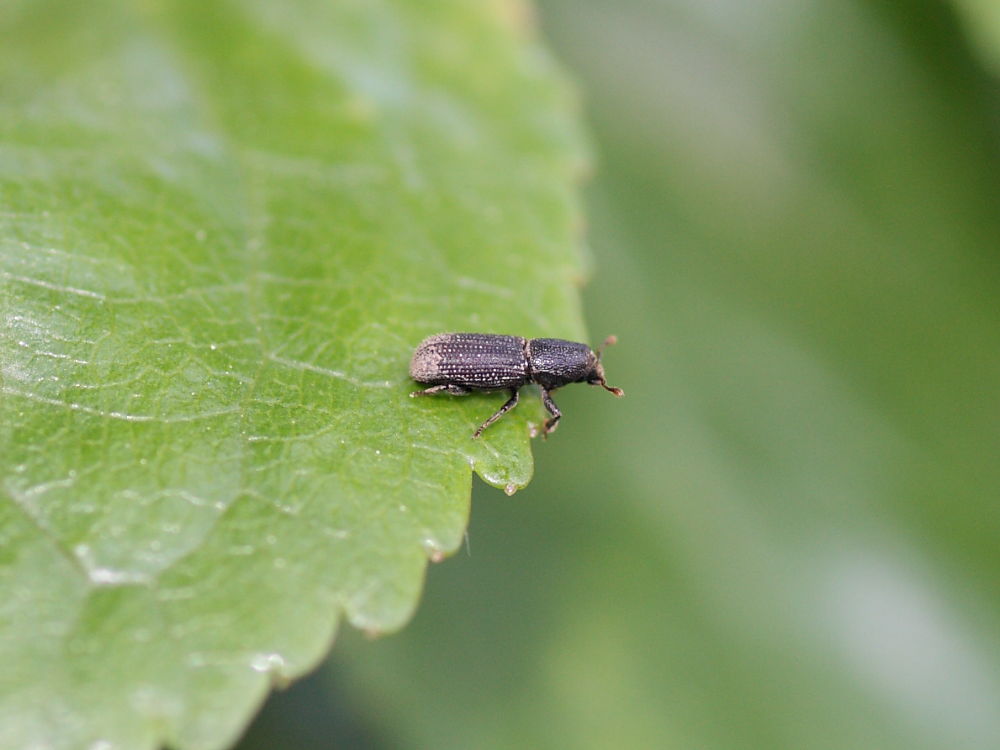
x=787 y=535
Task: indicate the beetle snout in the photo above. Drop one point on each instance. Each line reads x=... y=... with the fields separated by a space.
x=599 y=379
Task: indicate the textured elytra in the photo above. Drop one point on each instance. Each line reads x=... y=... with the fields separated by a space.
x=223 y=227
x=471 y=360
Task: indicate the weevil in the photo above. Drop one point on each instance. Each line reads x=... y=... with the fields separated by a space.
x=460 y=363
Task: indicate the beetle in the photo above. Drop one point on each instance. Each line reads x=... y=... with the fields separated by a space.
x=460 y=363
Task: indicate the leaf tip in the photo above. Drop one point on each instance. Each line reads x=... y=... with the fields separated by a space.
x=434 y=551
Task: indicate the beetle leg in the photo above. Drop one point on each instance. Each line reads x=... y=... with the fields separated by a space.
x=454 y=390
x=511 y=403
x=550 y=424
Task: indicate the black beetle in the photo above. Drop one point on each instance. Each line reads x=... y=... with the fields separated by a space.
x=459 y=363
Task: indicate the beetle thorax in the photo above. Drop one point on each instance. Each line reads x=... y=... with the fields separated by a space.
x=554 y=362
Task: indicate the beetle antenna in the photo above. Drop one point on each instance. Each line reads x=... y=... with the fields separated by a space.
x=612 y=339
x=600 y=370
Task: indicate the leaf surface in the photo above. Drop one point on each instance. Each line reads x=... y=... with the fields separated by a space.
x=223 y=229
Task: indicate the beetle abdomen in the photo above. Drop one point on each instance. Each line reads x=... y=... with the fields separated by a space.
x=477 y=361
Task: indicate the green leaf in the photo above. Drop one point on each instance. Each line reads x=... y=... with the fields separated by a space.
x=223 y=229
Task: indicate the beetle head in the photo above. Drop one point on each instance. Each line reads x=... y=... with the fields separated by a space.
x=596 y=376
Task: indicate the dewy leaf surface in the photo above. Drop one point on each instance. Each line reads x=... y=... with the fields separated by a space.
x=223 y=229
